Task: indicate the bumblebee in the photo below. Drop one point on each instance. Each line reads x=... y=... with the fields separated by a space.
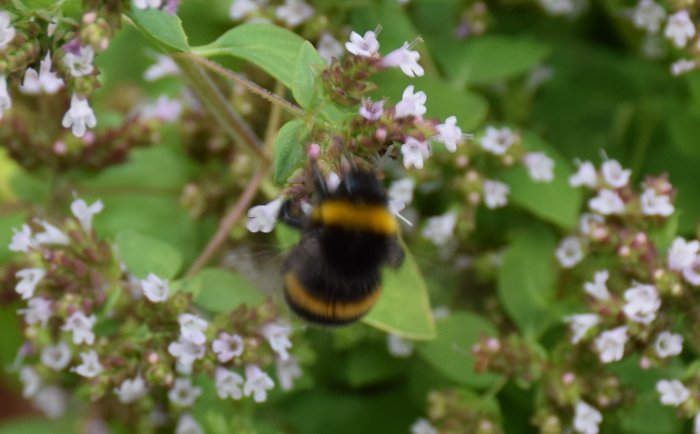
x=333 y=276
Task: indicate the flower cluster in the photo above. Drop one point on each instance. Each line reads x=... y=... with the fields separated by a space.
x=91 y=325
x=678 y=27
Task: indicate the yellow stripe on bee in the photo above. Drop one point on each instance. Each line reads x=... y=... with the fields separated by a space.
x=331 y=310
x=348 y=215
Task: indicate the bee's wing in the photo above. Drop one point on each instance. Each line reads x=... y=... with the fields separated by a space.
x=395 y=255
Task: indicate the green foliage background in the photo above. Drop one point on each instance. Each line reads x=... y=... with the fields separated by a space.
x=603 y=97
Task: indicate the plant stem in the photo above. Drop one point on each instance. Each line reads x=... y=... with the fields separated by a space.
x=232 y=217
x=217 y=104
x=250 y=85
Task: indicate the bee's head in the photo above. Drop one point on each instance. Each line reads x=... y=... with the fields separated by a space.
x=361 y=186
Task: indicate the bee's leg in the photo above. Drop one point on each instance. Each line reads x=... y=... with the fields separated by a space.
x=287 y=217
x=396 y=254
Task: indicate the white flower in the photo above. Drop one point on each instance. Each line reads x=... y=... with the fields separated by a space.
x=7 y=31
x=642 y=303
x=257 y=383
x=51 y=235
x=449 y=133
x=539 y=166
x=559 y=7
x=277 y=335
x=294 y=12
x=227 y=346
x=570 y=252
x=682 y=66
x=405 y=59
x=588 y=221
x=400 y=194
x=580 y=324
x=495 y=194
x=192 y=328
x=398 y=346
x=80 y=64
x=682 y=254
x=332 y=181
x=262 y=218
x=586 y=175
x=423 y=426
x=56 y=356
x=614 y=175
x=439 y=229
x=164 y=67
x=653 y=204
x=29 y=278
x=363 y=46
x=648 y=16
x=598 y=289
x=696 y=423
x=147 y=4
x=668 y=344
x=42 y=81
x=414 y=153
x=329 y=48
x=183 y=393
x=163 y=109
x=691 y=273
x=679 y=28
x=371 y=111
x=497 y=141
x=411 y=104
x=31 y=382
x=84 y=213
x=611 y=344
x=586 y=418
x=38 y=311
x=79 y=116
x=188 y=425
x=288 y=371
x=228 y=384
x=186 y=351
x=81 y=326
x=131 y=390
x=155 y=289
x=5 y=99
x=672 y=392
x=607 y=202
x=90 y=366
x=51 y=26
x=51 y=401
x=22 y=240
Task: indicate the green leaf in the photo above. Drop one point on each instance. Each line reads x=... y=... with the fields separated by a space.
x=451 y=353
x=143 y=254
x=305 y=85
x=367 y=365
x=555 y=201
x=404 y=307
x=289 y=150
x=663 y=235
x=272 y=48
x=163 y=29
x=648 y=416
x=223 y=291
x=32 y=426
x=684 y=129
x=489 y=58
x=526 y=280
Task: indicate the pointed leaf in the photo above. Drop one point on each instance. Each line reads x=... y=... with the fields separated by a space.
x=163 y=29
x=272 y=48
x=404 y=307
x=305 y=86
x=289 y=150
